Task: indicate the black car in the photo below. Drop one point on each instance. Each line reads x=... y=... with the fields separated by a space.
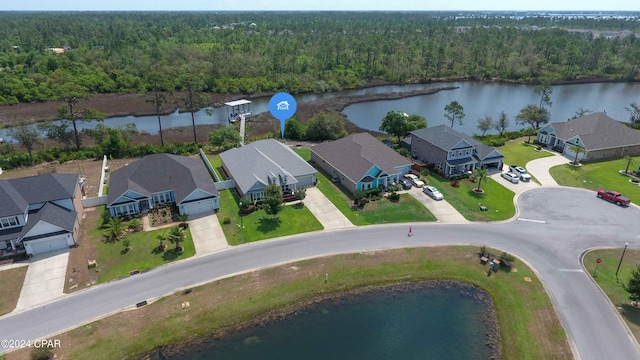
x=406 y=184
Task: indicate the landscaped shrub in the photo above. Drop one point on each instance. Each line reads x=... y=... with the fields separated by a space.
x=226 y=220
x=394 y=196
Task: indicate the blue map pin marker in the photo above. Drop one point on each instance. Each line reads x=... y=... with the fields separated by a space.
x=282 y=106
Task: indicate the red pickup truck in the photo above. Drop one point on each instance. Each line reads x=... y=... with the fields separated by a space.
x=614 y=197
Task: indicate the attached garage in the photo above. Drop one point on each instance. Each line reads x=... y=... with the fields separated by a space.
x=198 y=207
x=52 y=243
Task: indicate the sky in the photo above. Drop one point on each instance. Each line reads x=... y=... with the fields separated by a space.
x=301 y=5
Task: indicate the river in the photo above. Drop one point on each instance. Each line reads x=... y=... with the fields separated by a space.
x=479 y=99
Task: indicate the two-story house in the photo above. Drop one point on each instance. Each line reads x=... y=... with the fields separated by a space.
x=39 y=213
x=451 y=152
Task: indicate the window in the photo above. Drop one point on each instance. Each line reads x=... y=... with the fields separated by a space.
x=162 y=198
x=8 y=222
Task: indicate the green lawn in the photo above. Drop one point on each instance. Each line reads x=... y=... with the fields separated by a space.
x=382 y=211
x=304 y=153
x=216 y=162
x=606 y=279
x=258 y=225
x=599 y=175
x=113 y=264
x=517 y=153
x=497 y=199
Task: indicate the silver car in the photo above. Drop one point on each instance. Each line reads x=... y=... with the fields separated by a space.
x=510 y=176
x=434 y=193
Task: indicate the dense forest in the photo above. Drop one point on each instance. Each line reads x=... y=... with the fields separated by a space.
x=138 y=52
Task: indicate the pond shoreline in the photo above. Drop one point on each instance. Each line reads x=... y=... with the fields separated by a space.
x=493 y=338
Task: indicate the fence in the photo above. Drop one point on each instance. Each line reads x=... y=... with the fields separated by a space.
x=94 y=201
x=205 y=159
x=226 y=184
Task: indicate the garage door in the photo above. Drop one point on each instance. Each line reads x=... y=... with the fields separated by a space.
x=48 y=244
x=198 y=207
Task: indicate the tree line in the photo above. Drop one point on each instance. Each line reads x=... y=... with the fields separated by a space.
x=142 y=52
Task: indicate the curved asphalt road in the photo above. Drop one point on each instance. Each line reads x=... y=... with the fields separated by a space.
x=555 y=226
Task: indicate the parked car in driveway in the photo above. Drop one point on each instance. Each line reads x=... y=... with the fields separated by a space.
x=510 y=176
x=406 y=184
x=521 y=172
x=434 y=193
x=414 y=180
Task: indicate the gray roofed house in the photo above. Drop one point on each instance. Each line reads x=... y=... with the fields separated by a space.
x=39 y=213
x=159 y=179
x=601 y=137
x=360 y=162
x=450 y=151
x=265 y=162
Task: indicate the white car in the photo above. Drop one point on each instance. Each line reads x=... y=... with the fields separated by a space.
x=521 y=172
x=434 y=193
x=510 y=176
x=414 y=180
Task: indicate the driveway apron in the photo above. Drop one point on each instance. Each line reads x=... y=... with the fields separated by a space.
x=207 y=234
x=540 y=168
x=44 y=281
x=442 y=210
x=324 y=210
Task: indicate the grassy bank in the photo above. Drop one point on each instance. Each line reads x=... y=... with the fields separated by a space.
x=529 y=326
x=612 y=287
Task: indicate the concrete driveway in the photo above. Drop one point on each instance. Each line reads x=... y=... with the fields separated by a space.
x=207 y=234
x=540 y=168
x=442 y=210
x=516 y=188
x=44 y=281
x=324 y=210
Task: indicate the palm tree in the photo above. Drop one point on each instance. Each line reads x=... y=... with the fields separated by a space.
x=114 y=230
x=480 y=174
x=176 y=235
x=578 y=150
x=629 y=161
x=162 y=237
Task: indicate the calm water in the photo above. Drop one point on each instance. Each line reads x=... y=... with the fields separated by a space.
x=478 y=99
x=424 y=323
x=482 y=99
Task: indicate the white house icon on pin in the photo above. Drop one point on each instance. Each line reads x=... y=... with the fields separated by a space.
x=283 y=105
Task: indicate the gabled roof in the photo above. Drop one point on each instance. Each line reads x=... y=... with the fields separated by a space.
x=15 y=193
x=161 y=172
x=356 y=154
x=257 y=161
x=446 y=139
x=50 y=213
x=597 y=131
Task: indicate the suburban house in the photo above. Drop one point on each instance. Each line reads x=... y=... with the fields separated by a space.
x=600 y=136
x=261 y=163
x=39 y=213
x=360 y=162
x=162 y=179
x=451 y=152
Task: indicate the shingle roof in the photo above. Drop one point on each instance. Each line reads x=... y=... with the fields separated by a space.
x=257 y=161
x=597 y=131
x=446 y=138
x=16 y=194
x=50 y=213
x=356 y=154
x=161 y=172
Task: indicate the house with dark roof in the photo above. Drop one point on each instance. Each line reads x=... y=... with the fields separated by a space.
x=360 y=162
x=261 y=163
x=599 y=135
x=162 y=179
x=453 y=153
x=39 y=213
